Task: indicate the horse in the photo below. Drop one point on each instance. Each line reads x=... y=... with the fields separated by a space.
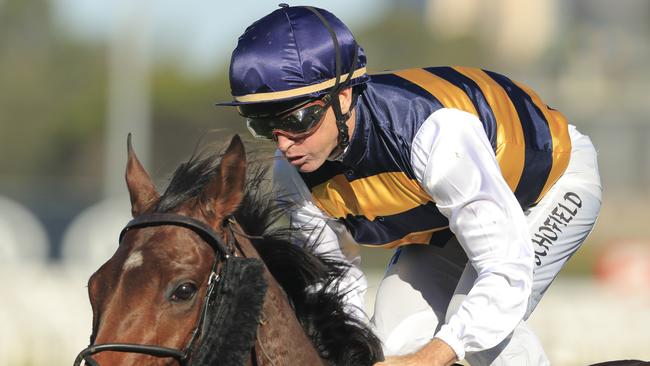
x=205 y=274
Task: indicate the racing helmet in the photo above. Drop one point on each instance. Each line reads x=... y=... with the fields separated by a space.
x=295 y=52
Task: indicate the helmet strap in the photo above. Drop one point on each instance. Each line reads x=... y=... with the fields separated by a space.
x=341 y=119
x=343 y=138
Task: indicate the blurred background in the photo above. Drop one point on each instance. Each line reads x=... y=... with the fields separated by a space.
x=76 y=76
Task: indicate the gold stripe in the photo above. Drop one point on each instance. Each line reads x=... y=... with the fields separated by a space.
x=559 y=129
x=510 y=144
x=420 y=237
x=447 y=93
x=284 y=94
x=379 y=195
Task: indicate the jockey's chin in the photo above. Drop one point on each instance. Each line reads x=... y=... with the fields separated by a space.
x=309 y=166
x=306 y=163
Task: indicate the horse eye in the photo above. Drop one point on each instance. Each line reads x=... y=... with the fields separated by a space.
x=184 y=292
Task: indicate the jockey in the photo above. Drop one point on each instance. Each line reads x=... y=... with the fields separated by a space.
x=482 y=189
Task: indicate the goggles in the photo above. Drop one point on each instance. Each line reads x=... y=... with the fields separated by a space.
x=298 y=122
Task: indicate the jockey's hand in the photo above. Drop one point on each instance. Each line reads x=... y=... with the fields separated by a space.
x=435 y=353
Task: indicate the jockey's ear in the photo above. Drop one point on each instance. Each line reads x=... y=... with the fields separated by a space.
x=141 y=189
x=225 y=191
x=345 y=99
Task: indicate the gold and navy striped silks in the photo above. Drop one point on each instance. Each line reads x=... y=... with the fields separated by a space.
x=373 y=189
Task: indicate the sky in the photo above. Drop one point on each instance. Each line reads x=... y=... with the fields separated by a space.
x=200 y=34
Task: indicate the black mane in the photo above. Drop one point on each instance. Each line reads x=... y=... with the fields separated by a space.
x=307 y=278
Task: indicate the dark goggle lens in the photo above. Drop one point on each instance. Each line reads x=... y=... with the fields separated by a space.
x=295 y=123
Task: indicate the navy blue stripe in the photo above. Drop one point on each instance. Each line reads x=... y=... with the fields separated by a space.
x=386 y=229
x=398 y=107
x=539 y=144
x=440 y=238
x=327 y=171
x=475 y=94
x=404 y=85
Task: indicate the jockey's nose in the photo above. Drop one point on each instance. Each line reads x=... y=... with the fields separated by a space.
x=284 y=143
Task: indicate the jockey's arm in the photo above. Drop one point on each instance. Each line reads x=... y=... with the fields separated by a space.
x=454 y=161
x=321 y=232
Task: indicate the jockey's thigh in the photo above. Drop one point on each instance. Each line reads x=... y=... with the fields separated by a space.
x=412 y=299
x=563 y=219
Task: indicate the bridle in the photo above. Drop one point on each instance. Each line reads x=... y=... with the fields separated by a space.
x=183 y=355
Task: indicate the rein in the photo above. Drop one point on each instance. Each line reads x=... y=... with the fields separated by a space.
x=221 y=250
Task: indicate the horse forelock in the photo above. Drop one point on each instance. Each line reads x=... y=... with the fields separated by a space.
x=188 y=181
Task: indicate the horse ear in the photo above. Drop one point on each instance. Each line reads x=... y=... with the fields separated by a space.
x=141 y=189
x=226 y=190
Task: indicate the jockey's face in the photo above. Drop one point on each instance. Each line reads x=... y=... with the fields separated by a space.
x=310 y=152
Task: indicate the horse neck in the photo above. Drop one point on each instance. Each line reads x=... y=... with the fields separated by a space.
x=281 y=340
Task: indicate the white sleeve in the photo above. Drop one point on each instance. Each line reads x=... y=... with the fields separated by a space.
x=453 y=160
x=321 y=232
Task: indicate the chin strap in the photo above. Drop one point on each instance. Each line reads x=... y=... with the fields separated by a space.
x=341 y=118
x=344 y=136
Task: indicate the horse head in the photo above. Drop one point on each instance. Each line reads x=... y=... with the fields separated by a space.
x=152 y=290
x=198 y=279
